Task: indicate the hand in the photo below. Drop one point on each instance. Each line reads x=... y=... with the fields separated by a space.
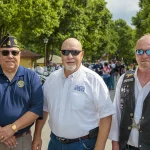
x=37 y=143
x=6 y=132
x=115 y=145
x=11 y=142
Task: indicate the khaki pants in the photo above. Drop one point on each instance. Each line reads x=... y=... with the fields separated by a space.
x=24 y=143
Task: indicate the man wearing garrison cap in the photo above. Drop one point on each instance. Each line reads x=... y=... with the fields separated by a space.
x=21 y=98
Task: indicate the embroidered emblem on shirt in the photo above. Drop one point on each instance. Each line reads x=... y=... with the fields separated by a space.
x=20 y=83
x=79 y=88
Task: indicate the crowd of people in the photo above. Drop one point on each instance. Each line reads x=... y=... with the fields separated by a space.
x=76 y=98
x=109 y=71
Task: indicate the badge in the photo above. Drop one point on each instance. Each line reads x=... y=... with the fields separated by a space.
x=20 y=83
x=8 y=43
x=121 y=104
x=15 y=41
x=122 y=89
x=128 y=80
x=129 y=75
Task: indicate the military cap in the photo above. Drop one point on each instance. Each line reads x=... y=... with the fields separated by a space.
x=8 y=41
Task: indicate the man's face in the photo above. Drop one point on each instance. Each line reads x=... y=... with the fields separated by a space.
x=71 y=63
x=143 y=60
x=10 y=58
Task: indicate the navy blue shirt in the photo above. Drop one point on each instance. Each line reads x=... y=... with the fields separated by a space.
x=98 y=69
x=24 y=93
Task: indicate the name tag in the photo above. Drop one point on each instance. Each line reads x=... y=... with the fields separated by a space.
x=128 y=80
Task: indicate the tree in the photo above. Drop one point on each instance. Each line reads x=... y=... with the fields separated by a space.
x=126 y=42
x=142 y=19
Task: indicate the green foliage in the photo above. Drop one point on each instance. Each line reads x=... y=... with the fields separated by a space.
x=142 y=19
x=87 y=20
x=126 y=42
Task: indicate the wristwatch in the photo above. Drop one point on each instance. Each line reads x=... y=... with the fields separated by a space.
x=14 y=127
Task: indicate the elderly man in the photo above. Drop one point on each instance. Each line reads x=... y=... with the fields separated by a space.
x=130 y=128
x=78 y=103
x=21 y=98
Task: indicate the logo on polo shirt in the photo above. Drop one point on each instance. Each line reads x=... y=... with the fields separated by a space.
x=20 y=83
x=79 y=88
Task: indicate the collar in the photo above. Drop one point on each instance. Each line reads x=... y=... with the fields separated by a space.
x=19 y=72
x=73 y=75
x=135 y=74
x=1 y=71
x=137 y=80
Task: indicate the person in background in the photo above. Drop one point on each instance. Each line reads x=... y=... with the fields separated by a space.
x=117 y=68
x=130 y=128
x=122 y=68
x=21 y=98
x=98 y=68
x=134 y=66
x=78 y=103
x=112 y=72
x=106 y=74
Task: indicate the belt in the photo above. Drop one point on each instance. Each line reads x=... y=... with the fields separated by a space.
x=23 y=134
x=68 y=141
x=132 y=147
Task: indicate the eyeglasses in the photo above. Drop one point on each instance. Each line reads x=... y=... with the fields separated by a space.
x=141 y=52
x=7 y=52
x=73 y=52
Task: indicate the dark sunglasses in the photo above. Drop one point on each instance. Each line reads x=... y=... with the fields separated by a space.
x=73 y=52
x=141 y=52
x=7 y=52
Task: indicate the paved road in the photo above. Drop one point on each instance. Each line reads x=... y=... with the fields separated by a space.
x=46 y=132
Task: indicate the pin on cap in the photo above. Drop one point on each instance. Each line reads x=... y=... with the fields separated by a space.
x=8 y=41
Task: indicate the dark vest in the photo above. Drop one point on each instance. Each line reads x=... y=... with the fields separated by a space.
x=127 y=106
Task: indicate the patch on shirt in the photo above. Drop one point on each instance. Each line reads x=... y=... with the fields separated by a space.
x=128 y=80
x=129 y=75
x=121 y=104
x=79 y=88
x=20 y=83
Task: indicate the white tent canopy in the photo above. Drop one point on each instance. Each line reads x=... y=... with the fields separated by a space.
x=55 y=59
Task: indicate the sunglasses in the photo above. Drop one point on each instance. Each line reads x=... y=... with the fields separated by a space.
x=141 y=52
x=73 y=52
x=7 y=52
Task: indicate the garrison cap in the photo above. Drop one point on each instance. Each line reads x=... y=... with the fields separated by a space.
x=8 y=41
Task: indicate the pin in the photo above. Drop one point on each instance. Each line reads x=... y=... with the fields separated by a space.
x=20 y=83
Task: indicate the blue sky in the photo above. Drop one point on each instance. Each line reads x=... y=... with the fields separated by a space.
x=123 y=9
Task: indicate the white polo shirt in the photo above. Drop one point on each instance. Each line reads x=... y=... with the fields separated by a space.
x=76 y=104
x=140 y=95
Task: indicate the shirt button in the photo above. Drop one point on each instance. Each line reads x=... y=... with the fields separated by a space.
x=140 y=130
x=142 y=117
x=140 y=145
x=129 y=128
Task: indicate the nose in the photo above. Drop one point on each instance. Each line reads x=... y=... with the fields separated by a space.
x=145 y=55
x=10 y=54
x=70 y=55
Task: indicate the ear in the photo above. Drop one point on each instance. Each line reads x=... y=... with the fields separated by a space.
x=82 y=53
